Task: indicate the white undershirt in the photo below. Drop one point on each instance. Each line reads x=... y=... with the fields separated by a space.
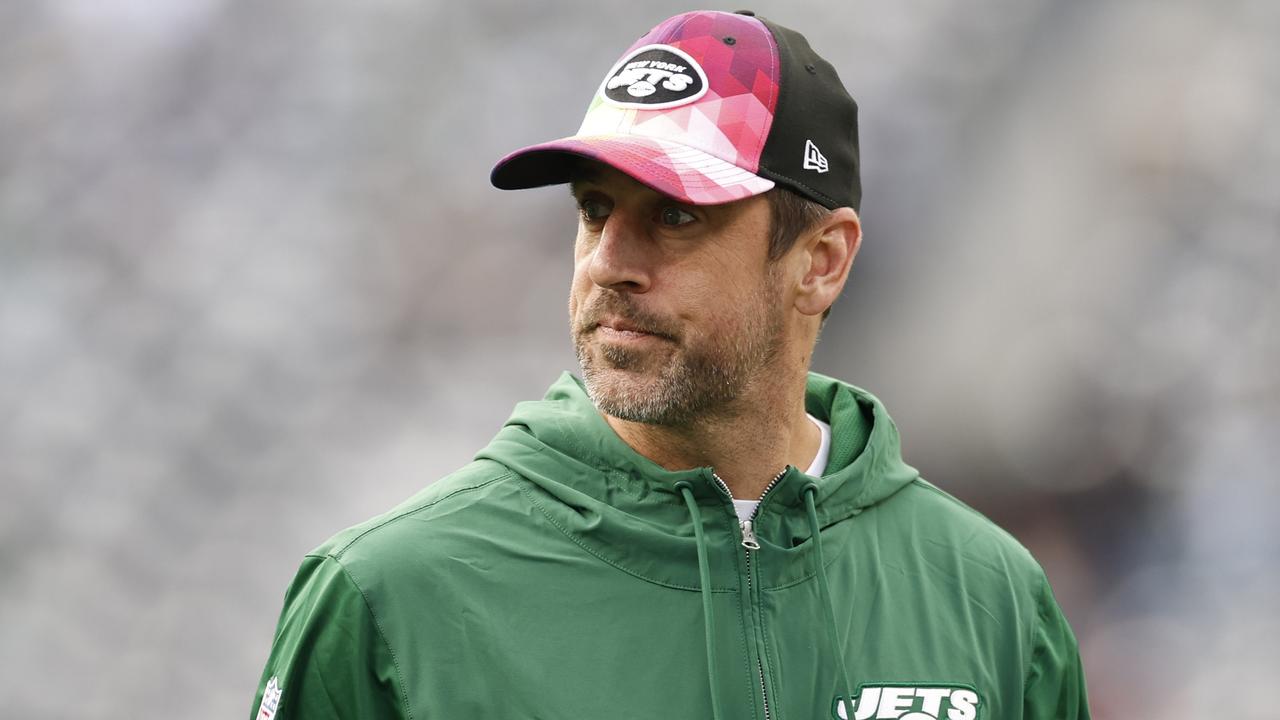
x=747 y=508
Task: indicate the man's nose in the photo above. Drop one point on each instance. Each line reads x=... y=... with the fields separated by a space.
x=622 y=257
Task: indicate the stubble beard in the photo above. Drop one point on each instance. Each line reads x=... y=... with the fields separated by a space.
x=690 y=381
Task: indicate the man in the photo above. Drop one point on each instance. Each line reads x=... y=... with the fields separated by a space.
x=699 y=528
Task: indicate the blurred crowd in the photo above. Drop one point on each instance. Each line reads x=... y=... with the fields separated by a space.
x=255 y=287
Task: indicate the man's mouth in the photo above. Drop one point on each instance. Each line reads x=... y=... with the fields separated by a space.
x=623 y=329
x=623 y=326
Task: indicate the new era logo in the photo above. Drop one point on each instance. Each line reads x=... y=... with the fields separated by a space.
x=813 y=158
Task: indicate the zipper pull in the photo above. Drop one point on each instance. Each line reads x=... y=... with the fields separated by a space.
x=749 y=536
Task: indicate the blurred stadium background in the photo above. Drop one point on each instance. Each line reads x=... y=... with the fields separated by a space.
x=255 y=287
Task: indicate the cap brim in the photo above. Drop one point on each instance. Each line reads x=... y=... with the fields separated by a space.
x=682 y=172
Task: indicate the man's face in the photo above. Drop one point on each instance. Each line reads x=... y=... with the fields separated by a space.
x=674 y=309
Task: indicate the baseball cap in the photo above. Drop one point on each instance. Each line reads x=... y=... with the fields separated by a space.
x=710 y=107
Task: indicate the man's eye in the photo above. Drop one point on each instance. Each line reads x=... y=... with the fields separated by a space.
x=674 y=216
x=593 y=210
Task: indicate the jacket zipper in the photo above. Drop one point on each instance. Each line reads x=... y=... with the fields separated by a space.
x=749 y=544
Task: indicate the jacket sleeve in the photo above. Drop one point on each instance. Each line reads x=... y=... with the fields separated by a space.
x=329 y=658
x=1055 y=686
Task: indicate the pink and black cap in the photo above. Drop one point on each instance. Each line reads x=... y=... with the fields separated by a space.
x=711 y=107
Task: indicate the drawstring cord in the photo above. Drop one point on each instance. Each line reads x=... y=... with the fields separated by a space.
x=708 y=616
x=704 y=575
x=810 y=491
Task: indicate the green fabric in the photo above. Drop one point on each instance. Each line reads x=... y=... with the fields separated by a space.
x=824 y=588
x=329 y=649
x=557 y=576
x=708 y=608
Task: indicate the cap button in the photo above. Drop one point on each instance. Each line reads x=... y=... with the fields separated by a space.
x=748 y=13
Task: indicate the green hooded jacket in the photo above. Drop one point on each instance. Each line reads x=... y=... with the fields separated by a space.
x=562 y=575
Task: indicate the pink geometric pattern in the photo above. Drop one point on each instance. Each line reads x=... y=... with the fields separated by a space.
x=677 y=170
x=707 y=151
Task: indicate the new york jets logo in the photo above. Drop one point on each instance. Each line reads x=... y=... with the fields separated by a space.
x=654 y=77
x=910 y=702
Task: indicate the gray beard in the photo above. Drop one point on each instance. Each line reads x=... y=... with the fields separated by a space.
x=696 y=383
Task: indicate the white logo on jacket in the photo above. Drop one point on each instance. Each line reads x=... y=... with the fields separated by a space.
x=270 y=700
x=902 y=702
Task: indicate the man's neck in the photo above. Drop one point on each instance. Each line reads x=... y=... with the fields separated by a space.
x=746 y=449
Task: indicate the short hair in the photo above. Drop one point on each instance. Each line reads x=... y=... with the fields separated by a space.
x=790 y=216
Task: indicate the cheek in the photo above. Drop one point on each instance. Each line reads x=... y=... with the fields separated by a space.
x=728 y=305
x=581 y=266
x=717 y=296
x=579 y=287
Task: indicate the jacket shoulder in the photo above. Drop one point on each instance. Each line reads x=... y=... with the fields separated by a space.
x=944 y=522
x=462 y=497
x=342 y=644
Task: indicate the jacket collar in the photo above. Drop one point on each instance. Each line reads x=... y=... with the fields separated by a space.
x=624 y=508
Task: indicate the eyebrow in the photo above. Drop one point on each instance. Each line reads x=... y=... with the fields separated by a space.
x=585 y=173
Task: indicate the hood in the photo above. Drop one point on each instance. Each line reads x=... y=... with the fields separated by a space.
x=625 y=509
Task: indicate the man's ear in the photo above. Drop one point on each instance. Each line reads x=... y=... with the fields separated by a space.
x=827 y=252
